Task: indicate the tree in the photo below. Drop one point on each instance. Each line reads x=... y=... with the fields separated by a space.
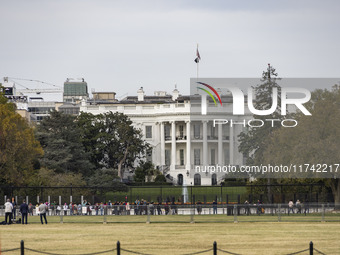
x=60 y=138
x=3 y=99
x=107 y=178
x=252 y=141
x=112 y=141
x=314 y=141
x=18 y=147
x=144 y=170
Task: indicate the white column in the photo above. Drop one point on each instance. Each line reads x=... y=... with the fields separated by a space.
x=231 y=146
x=220 y=146
x=173 y=144
x=205 y=143
x=188 y=161
x=162 y=144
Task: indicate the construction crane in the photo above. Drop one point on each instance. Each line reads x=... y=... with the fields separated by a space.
x=56 y=89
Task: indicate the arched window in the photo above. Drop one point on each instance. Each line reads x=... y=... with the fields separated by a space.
x=180 y=179
x=197 y=179
x=213 y=179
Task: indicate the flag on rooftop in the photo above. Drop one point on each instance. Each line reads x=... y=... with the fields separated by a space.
x=198 y=57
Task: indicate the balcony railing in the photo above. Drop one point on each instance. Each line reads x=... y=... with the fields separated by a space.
x=196 y=137
x=181 y=137
x=179 y=166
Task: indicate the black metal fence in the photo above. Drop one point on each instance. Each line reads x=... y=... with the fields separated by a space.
x=178 y=213
x=314 y=193
x=118 y=249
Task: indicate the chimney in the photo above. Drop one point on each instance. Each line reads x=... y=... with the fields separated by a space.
x=175 y=94
x=140 y=94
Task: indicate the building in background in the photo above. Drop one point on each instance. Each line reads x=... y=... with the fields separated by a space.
x=75 y=90
x=180 y=140
x=35 y=103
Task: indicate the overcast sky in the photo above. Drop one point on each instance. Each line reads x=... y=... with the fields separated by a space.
x=122 y=45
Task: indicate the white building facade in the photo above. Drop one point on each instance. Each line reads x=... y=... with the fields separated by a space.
x=182 y=140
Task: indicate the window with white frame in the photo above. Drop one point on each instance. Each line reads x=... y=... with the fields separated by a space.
x=148 y=131
x=197 y=157
x=212 y=157
x=226 y=156
x=197 y=130
x=181 y=157
x=181 y=131
x=167 y=157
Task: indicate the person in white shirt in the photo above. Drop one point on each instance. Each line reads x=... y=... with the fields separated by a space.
x=290 y=207
x=43 y=208
x=65 y=207
x=8 y=211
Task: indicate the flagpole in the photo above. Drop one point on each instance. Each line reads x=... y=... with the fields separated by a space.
x=197 y=64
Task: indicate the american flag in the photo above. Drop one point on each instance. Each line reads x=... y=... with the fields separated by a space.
x=198 y=57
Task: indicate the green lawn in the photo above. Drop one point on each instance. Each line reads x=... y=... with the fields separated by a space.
x=152 y=193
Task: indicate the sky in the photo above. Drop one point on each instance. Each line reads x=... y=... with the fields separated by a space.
x=121 y=46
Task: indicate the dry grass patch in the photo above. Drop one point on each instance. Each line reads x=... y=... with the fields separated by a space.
x=174 y=238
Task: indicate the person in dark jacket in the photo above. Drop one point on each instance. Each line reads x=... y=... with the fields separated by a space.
x=14 y=211
x=24 y=212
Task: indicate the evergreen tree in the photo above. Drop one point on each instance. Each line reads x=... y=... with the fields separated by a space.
x=60 y=138
x=252 y=141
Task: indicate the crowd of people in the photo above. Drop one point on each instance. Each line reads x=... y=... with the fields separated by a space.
x=25 y=210
x=139 y=207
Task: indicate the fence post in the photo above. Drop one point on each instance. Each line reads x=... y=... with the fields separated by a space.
x=148 y=214
x=279 y=213
x=192 y=215
x=118 y=248
x=22 y=248
x=323 y=213
x=235 y=213
x=104 y=221
x=215 y=248
x=61 y=218
x=311 y=248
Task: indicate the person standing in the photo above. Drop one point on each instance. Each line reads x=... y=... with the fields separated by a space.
x=14 y=211
x=42 y=210
x=306 y=206
x=290 y=207
x=8 y=211
x=247 y=207
x=24 y=212
x=298 y=206
x=214 y=207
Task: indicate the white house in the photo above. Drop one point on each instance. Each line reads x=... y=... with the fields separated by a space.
x=182 y=139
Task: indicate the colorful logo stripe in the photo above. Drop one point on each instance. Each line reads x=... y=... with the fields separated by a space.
x=213 y=90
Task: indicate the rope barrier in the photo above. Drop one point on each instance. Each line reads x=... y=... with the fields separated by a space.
x=139 y=253
x=15 y=249
x=297 y=252
x=228 y=252
x=199 y=252
x=134 y=252
x=50 y=253
x=319 y=251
